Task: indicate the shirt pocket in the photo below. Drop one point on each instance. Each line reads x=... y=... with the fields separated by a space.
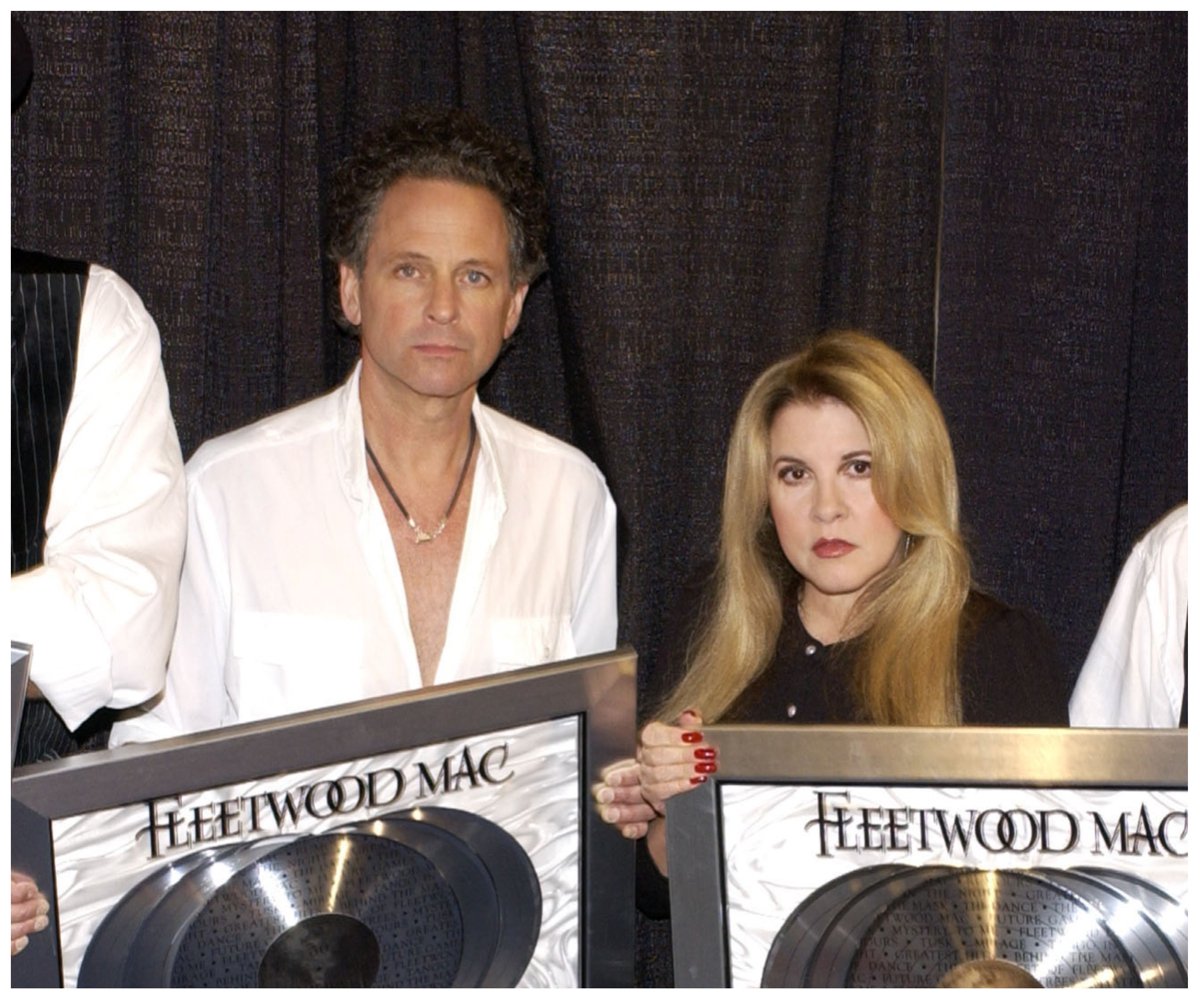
x=529 y=640
x=286 y=663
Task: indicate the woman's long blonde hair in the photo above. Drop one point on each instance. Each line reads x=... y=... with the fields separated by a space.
x=906 y=670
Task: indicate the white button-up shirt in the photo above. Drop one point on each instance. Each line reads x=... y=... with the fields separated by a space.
x=292 y=597
x=100 y=609
x=1134 y=672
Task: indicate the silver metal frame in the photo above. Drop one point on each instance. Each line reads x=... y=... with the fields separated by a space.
x=21 y=654
x=978 y=756
x=600 y=689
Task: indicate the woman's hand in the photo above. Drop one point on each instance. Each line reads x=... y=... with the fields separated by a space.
x=670 y=759
x=674 y=759
x=29 y=910
x=619 y=797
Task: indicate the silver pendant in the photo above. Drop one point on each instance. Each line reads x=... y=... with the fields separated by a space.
x=420 y=535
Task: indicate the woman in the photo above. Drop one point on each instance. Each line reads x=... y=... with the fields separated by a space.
x=842 y=588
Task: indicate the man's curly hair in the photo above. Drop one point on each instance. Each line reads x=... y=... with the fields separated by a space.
x=449 y=145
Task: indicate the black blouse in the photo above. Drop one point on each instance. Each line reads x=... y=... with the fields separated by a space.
x=1009 y=674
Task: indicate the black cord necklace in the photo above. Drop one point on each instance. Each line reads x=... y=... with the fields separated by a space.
x=418 y=531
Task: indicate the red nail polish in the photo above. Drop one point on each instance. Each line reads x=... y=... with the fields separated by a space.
x=692 y=736
x=706 y=767
x=697 y=779
x=706 y=753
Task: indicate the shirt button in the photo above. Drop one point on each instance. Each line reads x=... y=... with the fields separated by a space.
x=810 y=649
x=791 y=711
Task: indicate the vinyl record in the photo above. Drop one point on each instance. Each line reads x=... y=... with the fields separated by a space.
x=422 y=897
x=840 y=940
x=1168 y=914
x=146 y=960
x=972 y=926
x=798 y=936
x=1156 y=961
x=346 y=909
x=461 y=869
x=518 y=890
x=103 y=963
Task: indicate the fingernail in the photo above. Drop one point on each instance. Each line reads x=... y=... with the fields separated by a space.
x=604 y=796
x=40 y=922
x=629 y=832
x=609 y=816
x=697 y=779
x=692 y=736
x=706 y=753
x=43 y=906
x=20 y=944
x=706 y=767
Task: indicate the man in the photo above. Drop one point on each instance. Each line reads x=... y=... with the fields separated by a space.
x=396 y=533
x=98 y=505
x=1136 y=671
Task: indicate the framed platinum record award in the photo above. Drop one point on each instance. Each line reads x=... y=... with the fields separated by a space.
x=961 y=857
x=439 y=838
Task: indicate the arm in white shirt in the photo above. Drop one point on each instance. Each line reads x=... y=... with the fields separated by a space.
x=100 y=610
x=1134 y=674
x=194 y=698
x=594 y=618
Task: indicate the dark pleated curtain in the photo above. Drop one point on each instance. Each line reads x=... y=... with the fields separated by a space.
x=1002 y=197
x=1062 y=349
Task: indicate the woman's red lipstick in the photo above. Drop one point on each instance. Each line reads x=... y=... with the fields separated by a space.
x=828 y=549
